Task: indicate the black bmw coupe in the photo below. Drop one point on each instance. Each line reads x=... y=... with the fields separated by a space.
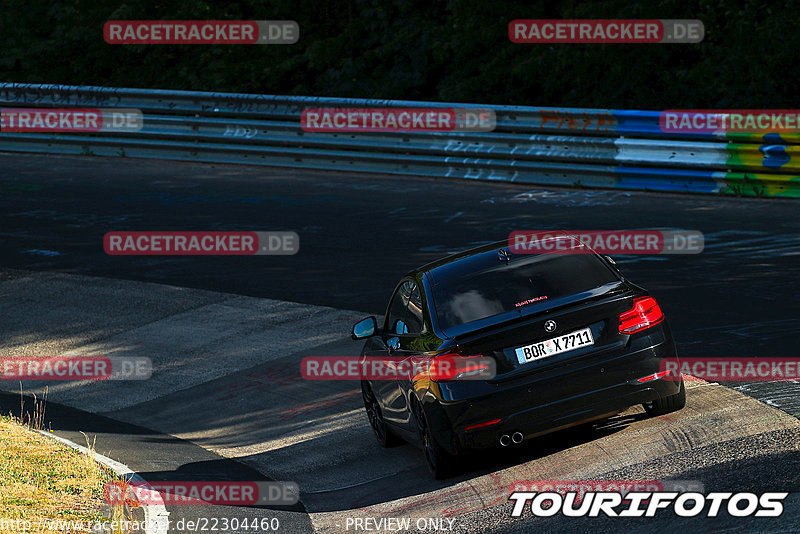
x=513 y=346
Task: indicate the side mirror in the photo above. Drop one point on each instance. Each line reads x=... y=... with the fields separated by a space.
x=365 y=328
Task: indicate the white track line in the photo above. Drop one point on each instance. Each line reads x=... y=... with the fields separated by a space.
x=156 y=516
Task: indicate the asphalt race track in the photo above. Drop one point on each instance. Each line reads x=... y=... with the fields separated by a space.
x=226 y=333
x=360 y=233
x=227 y=401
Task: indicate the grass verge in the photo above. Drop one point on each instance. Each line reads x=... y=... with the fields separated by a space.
x=42 y=481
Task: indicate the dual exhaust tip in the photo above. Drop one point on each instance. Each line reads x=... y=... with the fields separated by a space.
x=515 y=438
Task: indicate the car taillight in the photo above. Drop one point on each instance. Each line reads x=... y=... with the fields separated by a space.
x=454 y=366
x=644 y=314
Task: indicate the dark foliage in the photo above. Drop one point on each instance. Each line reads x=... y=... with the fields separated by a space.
x=423 y=50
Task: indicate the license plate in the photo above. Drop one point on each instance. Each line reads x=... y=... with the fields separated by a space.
x=556 y=345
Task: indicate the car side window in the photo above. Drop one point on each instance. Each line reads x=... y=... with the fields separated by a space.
x=414 y=320
x=395 y=322
x=405 y=312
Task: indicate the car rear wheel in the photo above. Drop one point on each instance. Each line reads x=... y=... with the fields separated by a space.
x=440 y=463
x=379 y=427
x=666 y=405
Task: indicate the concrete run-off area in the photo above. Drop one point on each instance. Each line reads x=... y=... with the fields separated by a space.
x=226 y=379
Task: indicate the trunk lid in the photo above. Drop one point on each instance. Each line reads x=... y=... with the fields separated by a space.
x=597 y=311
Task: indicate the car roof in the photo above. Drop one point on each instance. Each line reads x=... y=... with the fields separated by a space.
x=457 y=257
x=460 y=262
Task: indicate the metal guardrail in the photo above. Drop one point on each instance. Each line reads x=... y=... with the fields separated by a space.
x=593 y=148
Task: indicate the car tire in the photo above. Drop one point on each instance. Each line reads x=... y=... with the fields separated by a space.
x=665 y=405
x=375 y=416
x=440 y=463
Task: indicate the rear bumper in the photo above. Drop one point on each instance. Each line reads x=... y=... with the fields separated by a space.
x=544 y=402
x=542 y=419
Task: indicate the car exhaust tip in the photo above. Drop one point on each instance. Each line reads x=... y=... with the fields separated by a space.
x=505 y=440
x=517 y=437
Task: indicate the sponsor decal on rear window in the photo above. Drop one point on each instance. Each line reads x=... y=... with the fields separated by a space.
x=529 y=301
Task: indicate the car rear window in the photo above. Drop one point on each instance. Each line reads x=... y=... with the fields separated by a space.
x=481 y=286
